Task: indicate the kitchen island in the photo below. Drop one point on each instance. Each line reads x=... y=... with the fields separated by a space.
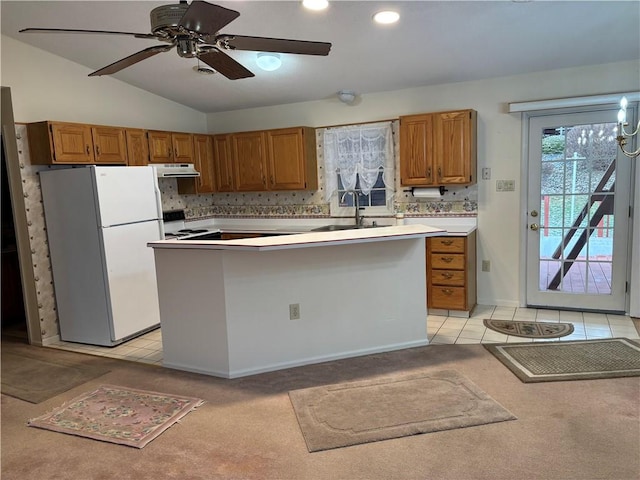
x=228 y=308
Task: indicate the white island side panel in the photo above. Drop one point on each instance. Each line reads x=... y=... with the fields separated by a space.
x=192 y=311
x=225 y=312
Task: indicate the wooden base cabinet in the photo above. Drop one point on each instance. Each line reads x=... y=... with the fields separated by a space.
x=451 y=272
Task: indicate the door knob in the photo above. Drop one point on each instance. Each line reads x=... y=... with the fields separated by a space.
x=534 y=213
x=534 y=226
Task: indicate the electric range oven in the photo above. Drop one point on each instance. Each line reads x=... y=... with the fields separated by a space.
x=175 y=228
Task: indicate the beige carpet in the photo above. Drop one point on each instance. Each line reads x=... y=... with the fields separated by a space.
x=248 y=430
x=572 y=360
x=29 y=375
x=394 y=406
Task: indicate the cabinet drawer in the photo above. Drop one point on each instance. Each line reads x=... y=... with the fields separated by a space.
x=447 y=261
x=447 y=277
x=452 y=298
x=447 y=244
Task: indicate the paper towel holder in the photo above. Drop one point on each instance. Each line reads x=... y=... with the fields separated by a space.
x=440 y=188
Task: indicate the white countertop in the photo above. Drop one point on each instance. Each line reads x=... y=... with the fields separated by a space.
x=303 y=240
x=450 y=225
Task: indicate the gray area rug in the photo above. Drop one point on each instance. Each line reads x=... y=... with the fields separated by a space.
x=529 y=329
x=571 y=360
x=344 y=414
x=36 y=378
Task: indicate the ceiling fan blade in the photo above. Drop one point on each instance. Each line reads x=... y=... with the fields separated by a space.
x=102 y=32
x=224 y=64
x=280 y=45
x=205 y=18
x=131 y=59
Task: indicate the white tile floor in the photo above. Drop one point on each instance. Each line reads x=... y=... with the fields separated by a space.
x=440 y=330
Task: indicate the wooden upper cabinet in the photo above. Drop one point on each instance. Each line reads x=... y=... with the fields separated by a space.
x=137 y=147
x=223 y=163
x=109 y=145
x=160 y=147
x=250 y=163
x=416 y=150
x=291 y=159
x=170 y=147
x=438 y=148
x=59 y=142
x=455 y=139
x=182 y=147
x=203 y=162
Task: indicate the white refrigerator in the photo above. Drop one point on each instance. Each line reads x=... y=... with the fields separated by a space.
x=99 y=220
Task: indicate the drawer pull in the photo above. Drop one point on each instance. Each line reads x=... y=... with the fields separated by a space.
x=446 y=259
x=447 y=242
x=447 y=291
x=447 y=275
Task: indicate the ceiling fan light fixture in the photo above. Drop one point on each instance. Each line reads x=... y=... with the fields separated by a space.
x=315 y=4
x=386 y=17
x=268 y=61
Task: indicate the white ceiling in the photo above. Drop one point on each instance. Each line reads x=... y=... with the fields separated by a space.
x=434 y=42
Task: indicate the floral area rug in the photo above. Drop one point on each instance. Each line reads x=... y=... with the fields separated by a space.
x=118 y=415
x=529 y=329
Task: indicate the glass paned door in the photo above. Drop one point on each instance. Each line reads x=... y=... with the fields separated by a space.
x=577 y=212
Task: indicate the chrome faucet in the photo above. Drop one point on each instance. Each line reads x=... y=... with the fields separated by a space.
x=356 y=201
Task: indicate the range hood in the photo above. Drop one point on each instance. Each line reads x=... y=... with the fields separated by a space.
x=176 y=170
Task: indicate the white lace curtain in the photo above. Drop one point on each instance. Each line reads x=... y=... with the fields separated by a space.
x=358 y=150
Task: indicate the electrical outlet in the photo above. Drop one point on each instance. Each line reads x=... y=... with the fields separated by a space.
x=486 y=173
x=499 y=185
x=486 y=265
x=509 y=186
x=294 y=311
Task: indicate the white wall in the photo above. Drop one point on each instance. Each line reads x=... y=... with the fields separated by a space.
x=48 y=87
x=499 y=143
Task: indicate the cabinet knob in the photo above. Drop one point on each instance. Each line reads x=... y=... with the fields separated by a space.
x=447 y=242
x=447 y=291
x=447 y=275
x=88 y=150
x=439 y=172
x=98 y=150
x=429 y=172
x=446 y=259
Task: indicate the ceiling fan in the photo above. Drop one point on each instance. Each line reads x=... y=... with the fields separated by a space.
x=194 y=31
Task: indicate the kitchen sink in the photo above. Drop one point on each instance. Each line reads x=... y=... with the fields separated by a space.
x=332 y=228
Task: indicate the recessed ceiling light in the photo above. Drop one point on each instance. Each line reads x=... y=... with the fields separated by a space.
x=315 y=4
x=386 y=17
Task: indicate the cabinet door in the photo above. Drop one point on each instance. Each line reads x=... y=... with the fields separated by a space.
x=160 y=147
x=250 y=161
x=109 y=145
x=223 y=164
x=203 y=149
x=72 y=143
x=286 y=157
x=416 y=150
x=182 y=144
x=455 y=147
x=137 y=147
